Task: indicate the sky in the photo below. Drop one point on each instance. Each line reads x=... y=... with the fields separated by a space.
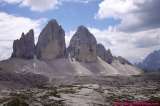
x=130 y=28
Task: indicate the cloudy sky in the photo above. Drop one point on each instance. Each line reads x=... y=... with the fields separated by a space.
x=130 y=28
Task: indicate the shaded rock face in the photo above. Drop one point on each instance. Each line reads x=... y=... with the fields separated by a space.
x=104 y=54
x=51 y=42
x=24 y=47
x=83 y=46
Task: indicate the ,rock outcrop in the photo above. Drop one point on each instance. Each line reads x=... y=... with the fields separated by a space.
x=123 y=60
x=24 y=47
x=51 y=42
x=104 y=54
x=107 y=56
x=82 y=46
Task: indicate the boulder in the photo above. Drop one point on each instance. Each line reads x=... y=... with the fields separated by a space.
x=24 y=47
x=82 y=46
x=51 y=42
x=104 y=54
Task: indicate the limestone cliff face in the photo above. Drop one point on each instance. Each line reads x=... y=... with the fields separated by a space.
x=24 y=47
x=51 y=42
x=82 y=46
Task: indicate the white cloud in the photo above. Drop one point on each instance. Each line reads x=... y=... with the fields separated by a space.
x=42 y=5
x=135 y=15
x=69 y=36
x=11 y=1
x=133 y=46
x=11 y=28
x=78 y=1
x=115 y=8
x=35 y=5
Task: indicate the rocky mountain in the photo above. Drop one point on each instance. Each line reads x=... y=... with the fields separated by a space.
x=84 y=57
x=51 y=42
x=82 y=46
x=24 y=47
x=151 y=62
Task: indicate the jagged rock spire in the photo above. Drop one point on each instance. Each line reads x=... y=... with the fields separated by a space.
x=24 y=47
x=104 y=54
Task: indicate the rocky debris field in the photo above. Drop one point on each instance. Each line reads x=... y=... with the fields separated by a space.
x=102 y=91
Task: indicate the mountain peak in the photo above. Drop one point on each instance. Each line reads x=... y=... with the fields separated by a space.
x=53 y=22
x=24 y=47
x=82 y=28
x=51 y=42
x=83 y=45
x=151 y=62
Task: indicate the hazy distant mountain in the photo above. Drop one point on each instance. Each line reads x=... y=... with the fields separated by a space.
x=151 y=62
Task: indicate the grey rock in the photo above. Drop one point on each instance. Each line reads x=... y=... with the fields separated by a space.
x=83 y=46
x=104 y=54
x=107 y=56
x=123 y=60
x=25 y=79
x=24 y=47
x=51 y=42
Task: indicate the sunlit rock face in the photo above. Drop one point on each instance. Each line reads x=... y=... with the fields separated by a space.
x=51 y=42
x=104 y=54
x=24 y=47
x=83 y=46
